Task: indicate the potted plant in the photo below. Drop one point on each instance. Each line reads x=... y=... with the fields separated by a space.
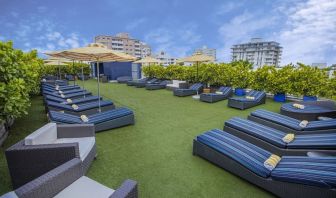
x=308 y=81
x=279 y=82
x=208 y=75
x=241 y=76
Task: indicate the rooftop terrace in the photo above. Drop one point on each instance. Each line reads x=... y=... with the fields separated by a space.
x=157 y=150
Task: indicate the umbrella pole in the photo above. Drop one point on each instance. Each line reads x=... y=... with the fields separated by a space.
x=73 y=67
x=59 y=73
x=83 y=79
x=99 y=110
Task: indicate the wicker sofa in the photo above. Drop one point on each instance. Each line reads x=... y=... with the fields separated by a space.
x=68 y=180
x=49 y=147
x=176 y=84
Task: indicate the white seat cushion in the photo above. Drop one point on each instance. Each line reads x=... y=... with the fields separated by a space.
x=44 y=135
x=11 y=194
x=85 y=144
x=85 y=187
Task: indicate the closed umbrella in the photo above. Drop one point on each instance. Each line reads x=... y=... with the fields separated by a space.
x=197 y=58
x=148 y=60
x=94 y=52
x=56 y=63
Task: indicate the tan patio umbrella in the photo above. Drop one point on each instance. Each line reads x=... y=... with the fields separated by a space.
x=55 y=61
x=94 y=52
x=148 y=60
x=196 y=58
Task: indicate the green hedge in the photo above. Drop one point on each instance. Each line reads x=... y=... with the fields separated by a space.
x=20 y=75
x=70 y=68
x=297 y=79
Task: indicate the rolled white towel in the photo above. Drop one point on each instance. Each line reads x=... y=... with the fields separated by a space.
x=303 y=123
x=219 y=92
x=272 y=162
x=69 y=100
x=74 y=106
x=250 y=97
x=84 y=118
x=62 y=96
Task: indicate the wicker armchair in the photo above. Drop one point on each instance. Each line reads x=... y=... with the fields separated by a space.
x=49 y=147
x=68 y=180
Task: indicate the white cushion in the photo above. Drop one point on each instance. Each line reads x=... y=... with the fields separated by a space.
x=85 y=187
x=85 y=144
x=172 y=85
x=44 y=135
x=9 y=195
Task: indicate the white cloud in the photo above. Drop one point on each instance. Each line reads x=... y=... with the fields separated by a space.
x=44 y=35
x=228 y=7
x=240 y=29
x=136 y=23
x=41 y=9
x=177 y=43
x=310 y=33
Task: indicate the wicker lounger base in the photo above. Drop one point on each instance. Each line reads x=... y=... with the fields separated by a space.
x=273 y=148
x=245 y=105
x=184 y=93
x=287 y=129
x=115 y=123
x=306 y=116
x=281 y=189
x=214 y=98
x=155 y=87
x=86 y=112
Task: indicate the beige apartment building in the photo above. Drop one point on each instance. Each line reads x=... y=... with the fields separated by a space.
x=124 y=43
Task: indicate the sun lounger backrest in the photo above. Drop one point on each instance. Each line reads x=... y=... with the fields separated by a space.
x=258 y=95
x=44 y=135
x=225 y=90
x=245 y=153
x=196 y=86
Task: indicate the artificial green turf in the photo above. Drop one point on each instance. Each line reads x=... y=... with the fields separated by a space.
x=157 y=150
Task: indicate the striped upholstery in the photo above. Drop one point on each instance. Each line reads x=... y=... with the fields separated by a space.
x=81 y=107
x=72 y=95
x=74 y=101
x=273 y=136
x=93 y=119
x=225 y=90
x=60 y=87
x=265 y=133
x=44 y=88
x=315 y=171
x=294 y=123
x=307 y=109
x=64 y=92
x=258 y=95
x=248 y=155
x=196 y=86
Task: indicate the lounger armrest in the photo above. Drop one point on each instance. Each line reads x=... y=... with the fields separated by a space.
x=75 y=130
x=128 y=189
x=52 y=182
x=26 y=163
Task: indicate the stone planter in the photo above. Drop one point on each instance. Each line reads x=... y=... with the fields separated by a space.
x=3 y=132
x=240 y=92
x=279 y=97
x=309 y=98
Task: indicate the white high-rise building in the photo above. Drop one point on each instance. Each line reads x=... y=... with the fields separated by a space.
x=258 y=52
x=124 y=43
x=206 y=51
x=165 y=58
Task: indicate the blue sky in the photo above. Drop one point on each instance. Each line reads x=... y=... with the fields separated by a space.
x=306 y=29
